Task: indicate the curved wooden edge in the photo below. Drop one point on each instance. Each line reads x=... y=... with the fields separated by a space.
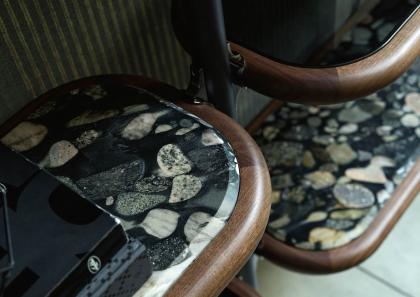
x=356 y=251
x=228 y=252
x=218 y=264
x=242 y=289
x=334 y=84
x=159 y=88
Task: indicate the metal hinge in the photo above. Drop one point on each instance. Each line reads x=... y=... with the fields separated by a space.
x=237 y=64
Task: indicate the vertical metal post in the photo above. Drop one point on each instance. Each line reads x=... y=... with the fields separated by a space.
x=204 y=37
x=5 y=271
x=249 y=272
x=212 y=54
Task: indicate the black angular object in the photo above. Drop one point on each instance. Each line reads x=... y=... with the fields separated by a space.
x=123 y=275
x=60 y=240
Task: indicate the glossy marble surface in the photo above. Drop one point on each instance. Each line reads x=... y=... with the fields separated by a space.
x=334 y=167
x=372 y=32
x=392 y=271
x=256 y=25
x=170 y=178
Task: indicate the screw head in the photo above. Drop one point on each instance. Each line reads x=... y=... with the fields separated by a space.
x=94 y=264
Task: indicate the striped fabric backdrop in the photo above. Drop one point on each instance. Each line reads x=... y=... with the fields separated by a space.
x=46 y=43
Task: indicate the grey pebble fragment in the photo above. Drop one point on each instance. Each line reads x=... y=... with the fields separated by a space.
x=133 y=203
x=341 y=153
x=59 y=154
x=320 y=179
x=113 y=181
x=209 y=137
x=314 y=121
x=163 y=128
x=195 y=223
x=167 y=252
x=353 y=115
x=184 y=187
x=25 y=136
x=283 y=153
x=183 y=131
x=89 y=117
x=353 y=195
x=410 y=120
x=87 y=138
x=153 y=184
x=141 y=125
x=172 y=161
x=135 y=108
x=348 y=128
x=160 y=222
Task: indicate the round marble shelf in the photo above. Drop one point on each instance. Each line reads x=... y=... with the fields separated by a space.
x=168 y=176
x=333 y=168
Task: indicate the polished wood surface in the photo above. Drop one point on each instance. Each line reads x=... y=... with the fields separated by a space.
x=331 y=85
x=217 y=265
x=355 y=252
x=229 y=251
x=153 y=86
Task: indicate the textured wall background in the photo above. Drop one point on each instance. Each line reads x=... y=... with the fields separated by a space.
x=288 y=30
x=44 y=44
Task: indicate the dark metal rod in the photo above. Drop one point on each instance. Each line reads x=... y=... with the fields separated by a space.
x=3 y=193
x=212 y=54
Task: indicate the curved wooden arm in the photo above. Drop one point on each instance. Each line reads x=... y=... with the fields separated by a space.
x=334 y=84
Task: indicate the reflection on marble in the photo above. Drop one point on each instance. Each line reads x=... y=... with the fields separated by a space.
x=25 y=136
x=333 y=174
x=372 y=32
x=59 y=154
x=170 y=178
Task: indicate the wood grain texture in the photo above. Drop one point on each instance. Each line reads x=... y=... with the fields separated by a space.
x=218 y=264
x=331 y=85
x=356 y=251
x=229 y=251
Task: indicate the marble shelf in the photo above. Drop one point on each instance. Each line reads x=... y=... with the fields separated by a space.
x=169 y=177
x=334 y=167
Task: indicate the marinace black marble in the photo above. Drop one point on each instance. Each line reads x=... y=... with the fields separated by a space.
x=334 y=167
x=170 y=178
x=372 y=32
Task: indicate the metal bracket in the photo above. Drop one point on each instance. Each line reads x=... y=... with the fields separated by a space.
x=5 y=271
x=237 y=64
x=195 y=90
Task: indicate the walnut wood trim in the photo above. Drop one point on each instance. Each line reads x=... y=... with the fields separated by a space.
x=334 y=84
x=153 y=86
x=356 y=251
x=262 y=116
x=218 y=264
x=242 y=289
x=229 y=251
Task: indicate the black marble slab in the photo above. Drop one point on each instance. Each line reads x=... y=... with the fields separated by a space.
x=334 y=167
x=169 y=177
x=54 y=232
